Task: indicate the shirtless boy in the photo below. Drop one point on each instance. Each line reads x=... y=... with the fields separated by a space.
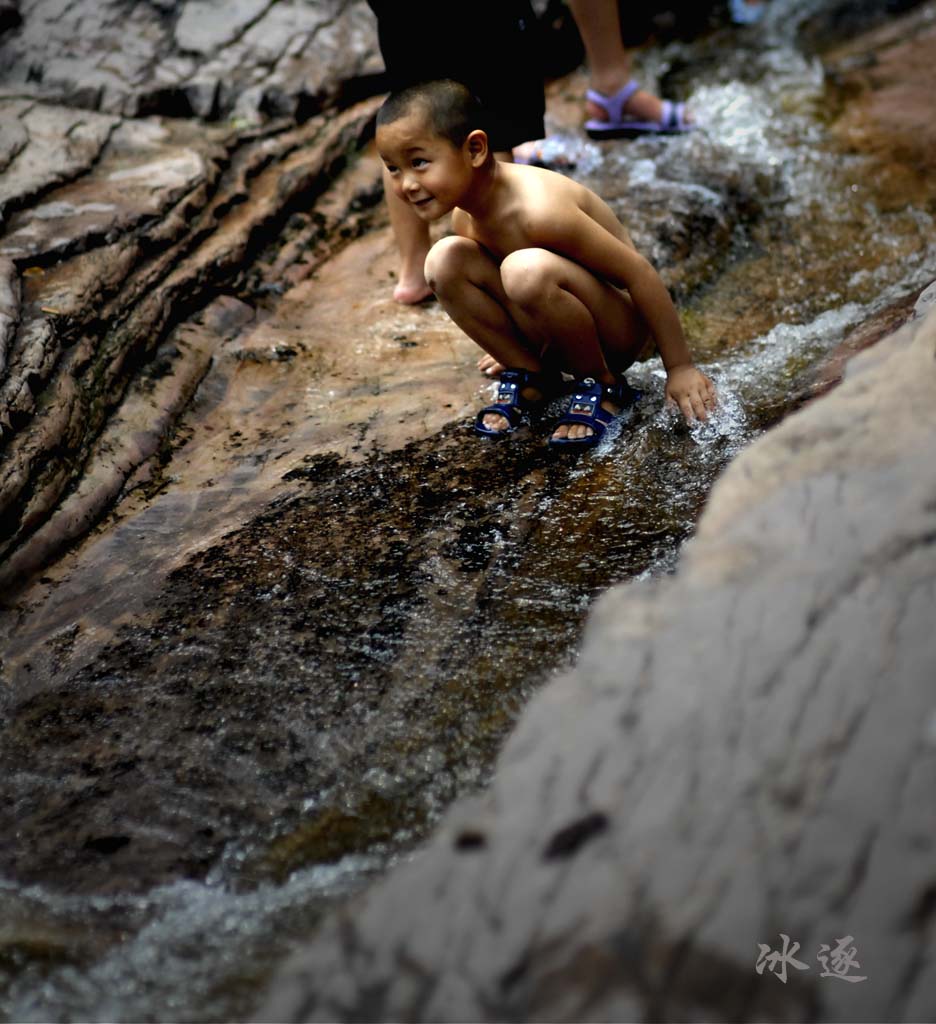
x=538 y=271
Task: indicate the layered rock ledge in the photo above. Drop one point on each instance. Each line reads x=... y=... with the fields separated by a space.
x=195 y=58
x=121 y=237
x=745 y=750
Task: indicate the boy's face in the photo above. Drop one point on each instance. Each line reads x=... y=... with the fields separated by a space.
x=426 y=170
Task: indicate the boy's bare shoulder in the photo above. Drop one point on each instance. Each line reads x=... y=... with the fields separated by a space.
x=540 y=194
x=541 y=184
x=550 y=200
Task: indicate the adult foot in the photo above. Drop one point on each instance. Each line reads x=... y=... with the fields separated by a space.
x=546 y=153
x=411 y=290
x=640 y=107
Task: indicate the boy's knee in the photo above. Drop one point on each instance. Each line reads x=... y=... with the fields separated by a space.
x=446 y=260
x=525 y=275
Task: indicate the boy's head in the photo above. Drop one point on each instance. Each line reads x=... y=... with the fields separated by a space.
x=430 y=139
x=448 y=109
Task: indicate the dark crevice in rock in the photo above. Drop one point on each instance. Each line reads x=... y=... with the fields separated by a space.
x=923 y=911
x=470 y=839
x=857 y=872
x=515 y=974
x=10 y=16
x=182 y=101
x=106 y=845
x=592 y=772
x=569 y=840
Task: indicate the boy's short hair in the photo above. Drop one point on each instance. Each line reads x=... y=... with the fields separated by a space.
x=452 y=110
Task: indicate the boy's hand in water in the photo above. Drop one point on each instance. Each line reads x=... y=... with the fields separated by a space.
x=690 y=390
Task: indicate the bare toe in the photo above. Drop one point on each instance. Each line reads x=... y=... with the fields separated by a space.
x=490 y=367
x=494 y=421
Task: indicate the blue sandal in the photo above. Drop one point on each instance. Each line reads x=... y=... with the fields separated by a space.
x=510 y=402
x=585 y=407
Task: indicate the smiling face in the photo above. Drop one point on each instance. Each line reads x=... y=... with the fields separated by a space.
x=425 y=169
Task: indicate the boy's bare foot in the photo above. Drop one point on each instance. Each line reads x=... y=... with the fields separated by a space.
x=593 y=407
x=490 y=367
x=576 y=431
x=519 y=393
x=499 y=424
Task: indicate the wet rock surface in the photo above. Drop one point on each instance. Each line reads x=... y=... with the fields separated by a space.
x=888 y=80
x=247 y=734
x=270 y=606
x=758 y=764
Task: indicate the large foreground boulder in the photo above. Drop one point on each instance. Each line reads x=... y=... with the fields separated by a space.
x=725 y=811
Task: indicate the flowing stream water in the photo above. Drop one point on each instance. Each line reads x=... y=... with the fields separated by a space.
x=410 y=653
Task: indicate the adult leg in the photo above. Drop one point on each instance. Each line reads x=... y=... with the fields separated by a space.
x=413 y=243
x=609 y=62
x=581 y=323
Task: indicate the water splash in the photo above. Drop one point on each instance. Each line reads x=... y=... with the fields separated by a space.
x=179 y=927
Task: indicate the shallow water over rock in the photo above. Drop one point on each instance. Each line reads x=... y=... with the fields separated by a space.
x=314 y=619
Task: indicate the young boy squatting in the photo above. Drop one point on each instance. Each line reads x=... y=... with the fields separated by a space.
x=539 y=272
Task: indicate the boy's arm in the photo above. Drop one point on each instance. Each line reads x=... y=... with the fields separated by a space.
x=582 y=239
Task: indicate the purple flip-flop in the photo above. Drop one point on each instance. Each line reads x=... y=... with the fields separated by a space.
x=672 y=122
